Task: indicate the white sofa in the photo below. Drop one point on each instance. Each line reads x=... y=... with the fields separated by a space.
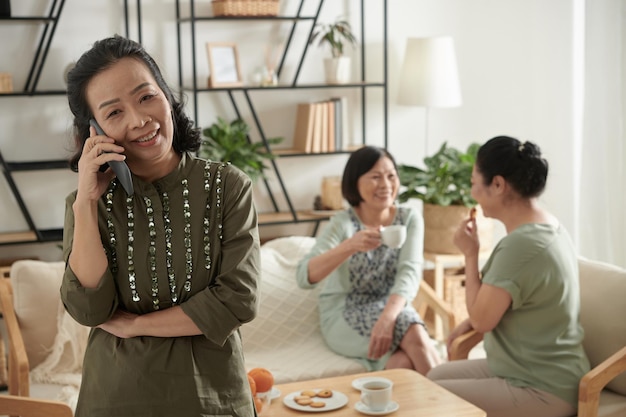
x=285 y=337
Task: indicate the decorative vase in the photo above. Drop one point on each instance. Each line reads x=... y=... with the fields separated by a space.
x=441 y=222
x=5 y=8
x=332 y=199
x=337 y=70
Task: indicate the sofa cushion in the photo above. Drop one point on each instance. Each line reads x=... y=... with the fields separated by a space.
x=33 y=282
x=285 y=336
x=602 y=289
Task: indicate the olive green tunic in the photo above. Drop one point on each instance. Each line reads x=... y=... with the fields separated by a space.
x=180 y=376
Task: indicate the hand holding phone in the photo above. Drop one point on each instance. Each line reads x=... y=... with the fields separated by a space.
x=119 y=167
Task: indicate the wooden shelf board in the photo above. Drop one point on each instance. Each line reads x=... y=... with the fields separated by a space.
x=286 y=217
x=18 y=237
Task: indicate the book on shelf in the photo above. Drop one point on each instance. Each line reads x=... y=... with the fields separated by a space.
x=343 y=116
x=339 y=122
x=303 y=133
x=321 y=126
x=330 y=138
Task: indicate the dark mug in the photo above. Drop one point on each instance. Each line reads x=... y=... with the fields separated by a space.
x=5 y=8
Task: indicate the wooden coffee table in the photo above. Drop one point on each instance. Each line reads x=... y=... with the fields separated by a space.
x=416 y=395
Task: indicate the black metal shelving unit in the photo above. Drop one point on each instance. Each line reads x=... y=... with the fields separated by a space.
x=49 y=23
x=292 y=215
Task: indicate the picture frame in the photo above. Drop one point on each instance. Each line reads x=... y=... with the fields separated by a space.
x=224 y=69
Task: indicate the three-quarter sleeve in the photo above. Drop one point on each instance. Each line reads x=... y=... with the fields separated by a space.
x=332 y=235
x=411 y=259
x=88 y=306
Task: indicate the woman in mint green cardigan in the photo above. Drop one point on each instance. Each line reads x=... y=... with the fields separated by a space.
x=365 y=303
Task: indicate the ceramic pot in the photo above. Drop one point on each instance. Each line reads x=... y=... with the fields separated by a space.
x=441 y=222
x=337 y=70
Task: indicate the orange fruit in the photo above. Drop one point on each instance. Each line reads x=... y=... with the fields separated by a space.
x=258 y=404
x=252 y=385
x=263 y=378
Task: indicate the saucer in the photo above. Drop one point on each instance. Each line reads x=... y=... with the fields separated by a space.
x=362 y=408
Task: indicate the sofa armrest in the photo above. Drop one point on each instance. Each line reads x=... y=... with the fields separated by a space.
x=596 y=379
x=462 y=345
x=19 y=383
x=427 y=298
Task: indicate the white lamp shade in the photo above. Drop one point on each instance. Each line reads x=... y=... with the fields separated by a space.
x=429 y=75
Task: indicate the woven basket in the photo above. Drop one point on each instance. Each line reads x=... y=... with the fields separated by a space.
x=453 y=293
x=245 y=7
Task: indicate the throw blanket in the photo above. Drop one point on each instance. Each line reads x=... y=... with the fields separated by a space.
x=64 y=364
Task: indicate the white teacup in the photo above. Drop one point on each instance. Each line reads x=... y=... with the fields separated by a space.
x=376 y=394
x=266 y=400
x=394 y=235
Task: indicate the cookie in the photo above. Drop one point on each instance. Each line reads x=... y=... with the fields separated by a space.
x=303 y=400
x=325 y=393
x=308 y=393
x=317 y=404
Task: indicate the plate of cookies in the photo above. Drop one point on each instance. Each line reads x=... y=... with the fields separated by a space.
x=315 y=400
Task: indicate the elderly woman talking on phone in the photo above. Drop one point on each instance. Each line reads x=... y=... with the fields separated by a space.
x=165 y=272
x=526 y=298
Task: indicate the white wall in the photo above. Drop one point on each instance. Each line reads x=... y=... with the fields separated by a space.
x=515 y=61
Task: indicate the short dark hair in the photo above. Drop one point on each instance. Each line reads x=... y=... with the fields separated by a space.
x=360 y=162
x=520 y=164
x=102 y=55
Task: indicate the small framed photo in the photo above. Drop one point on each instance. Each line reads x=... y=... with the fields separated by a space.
x=223 y=65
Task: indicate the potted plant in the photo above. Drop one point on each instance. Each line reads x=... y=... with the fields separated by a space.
x=228 y=142
x=444 y=186
x=337 y=68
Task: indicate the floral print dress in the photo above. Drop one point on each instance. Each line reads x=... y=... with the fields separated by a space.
x=353 y=296
x=372 y=275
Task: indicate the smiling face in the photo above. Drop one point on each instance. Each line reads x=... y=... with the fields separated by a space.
x=379 y=186
x=131 y=108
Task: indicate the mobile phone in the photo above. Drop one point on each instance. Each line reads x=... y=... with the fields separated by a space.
x=119 y=167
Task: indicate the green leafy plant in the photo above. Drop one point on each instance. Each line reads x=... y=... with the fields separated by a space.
x=335 y=35
x=445 y=181
x=228 y=142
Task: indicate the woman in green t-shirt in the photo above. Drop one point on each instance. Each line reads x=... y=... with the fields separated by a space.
x=525 y=299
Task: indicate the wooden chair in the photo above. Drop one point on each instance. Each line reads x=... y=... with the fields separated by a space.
x=602 y=391
x=30 y=407
x=428 y=299
x=29 y=313
x=19 y=383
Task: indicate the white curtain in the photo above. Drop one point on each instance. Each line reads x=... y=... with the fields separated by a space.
x=601 y=203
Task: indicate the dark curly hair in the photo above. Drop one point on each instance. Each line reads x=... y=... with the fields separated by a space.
x=520 y=164
x=103 y=54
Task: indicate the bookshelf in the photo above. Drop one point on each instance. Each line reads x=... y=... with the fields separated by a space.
x=286 y=213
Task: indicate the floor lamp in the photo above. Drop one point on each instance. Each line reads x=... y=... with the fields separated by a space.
x=429 y=76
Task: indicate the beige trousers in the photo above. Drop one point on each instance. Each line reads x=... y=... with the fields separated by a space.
x=472 y=381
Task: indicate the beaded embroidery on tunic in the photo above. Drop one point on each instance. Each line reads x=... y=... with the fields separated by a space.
x=152 y=232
